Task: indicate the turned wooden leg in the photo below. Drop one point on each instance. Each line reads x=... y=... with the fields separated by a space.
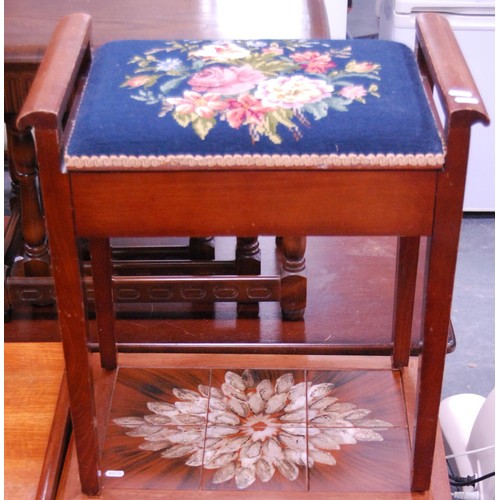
x=202 y=248
x=404 y=299
x=247 y=256
x=102 y=269
x=14 y=196
x=293 y=278
x=23 y=170
x=247 y=263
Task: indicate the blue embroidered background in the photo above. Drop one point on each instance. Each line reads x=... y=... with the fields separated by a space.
x=253 y=97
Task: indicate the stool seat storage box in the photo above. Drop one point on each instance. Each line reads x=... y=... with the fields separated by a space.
x=258 y=103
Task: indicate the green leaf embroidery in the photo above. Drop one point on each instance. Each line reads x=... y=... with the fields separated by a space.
x=202 y=126
x=183 y=119
x=150 y=81
x=269 y=128
x=317 y=109
x=284 y=116
x=198 y=65
x=338 y=103
x=147 y=97
x=166 y=87
x=269 y=65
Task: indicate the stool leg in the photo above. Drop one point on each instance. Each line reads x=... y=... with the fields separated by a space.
x=293 y=279
x=404 y=299
x=441 y=258
x=102 y=269
x=247 y=263
x=202 y=248
x=56 y=193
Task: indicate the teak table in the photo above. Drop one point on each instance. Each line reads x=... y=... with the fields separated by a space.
x=365 y=196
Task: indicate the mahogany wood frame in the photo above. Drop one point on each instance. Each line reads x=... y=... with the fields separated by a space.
x=407 y=202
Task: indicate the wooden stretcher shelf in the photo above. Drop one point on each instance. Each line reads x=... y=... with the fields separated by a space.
x=366 y=469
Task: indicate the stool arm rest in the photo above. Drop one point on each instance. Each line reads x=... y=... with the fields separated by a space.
x=54 y=82
x=449 y=70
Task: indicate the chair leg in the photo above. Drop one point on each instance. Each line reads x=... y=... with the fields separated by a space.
x=102 y=268
x=404 y=299
x=247 y=263
x=293 y=279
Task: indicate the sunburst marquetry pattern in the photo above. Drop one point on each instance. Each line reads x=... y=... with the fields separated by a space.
x=282 y=430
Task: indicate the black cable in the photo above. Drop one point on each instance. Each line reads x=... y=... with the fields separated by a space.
x=469 y=480
x=451 y=474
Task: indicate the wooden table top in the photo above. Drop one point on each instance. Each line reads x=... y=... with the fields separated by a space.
x=33 y=373
x=28 y=24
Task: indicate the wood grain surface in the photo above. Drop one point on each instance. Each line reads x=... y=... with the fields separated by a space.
x=140 y=370
x=33 y=373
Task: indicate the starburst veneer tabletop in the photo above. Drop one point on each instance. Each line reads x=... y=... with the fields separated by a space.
x=256 y=429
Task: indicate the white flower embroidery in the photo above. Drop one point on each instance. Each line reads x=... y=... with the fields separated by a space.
x=221 y=52
x=292 y=92
x=254 y=428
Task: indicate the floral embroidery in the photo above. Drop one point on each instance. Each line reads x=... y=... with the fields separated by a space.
x=255 y=429
x=313 y=62
x=260 y=85
x=227 y=81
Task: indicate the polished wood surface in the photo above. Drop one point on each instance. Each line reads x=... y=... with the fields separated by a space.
x=279 y=192
x=29 y=24
x=33 y=374
x=149 y=367
x=449 y=202
x=440 y=220
x=350 y=293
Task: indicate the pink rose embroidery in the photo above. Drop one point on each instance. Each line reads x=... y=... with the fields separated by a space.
x=266 y=87
x=313 y=62
x=353 y=92
x=226 y=81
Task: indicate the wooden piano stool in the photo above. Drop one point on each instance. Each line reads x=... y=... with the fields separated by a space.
x=253 y=137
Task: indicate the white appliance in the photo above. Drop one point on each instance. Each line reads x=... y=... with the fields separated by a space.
x=473 y=22
x=468 y=425
x=336 y=11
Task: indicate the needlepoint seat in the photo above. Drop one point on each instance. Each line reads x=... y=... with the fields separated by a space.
x=253 y=103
